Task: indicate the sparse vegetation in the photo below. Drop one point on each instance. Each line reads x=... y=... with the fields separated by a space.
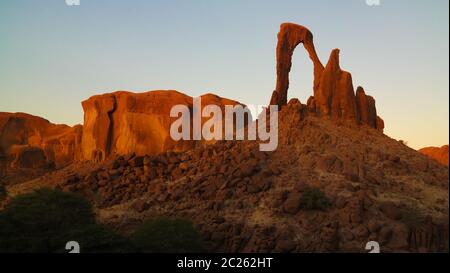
x=413 y=218
x=314 y=199
x=168 y=236
x=45 y=220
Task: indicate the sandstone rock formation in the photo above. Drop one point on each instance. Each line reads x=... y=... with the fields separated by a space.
x=124 y=122
x=27 y=157
x=24 y=137
x=289 y=37
x=365 y=107
x=334 y=95
x=244 y=200
x=440 y=154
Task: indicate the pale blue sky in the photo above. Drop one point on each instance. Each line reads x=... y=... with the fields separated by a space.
x=53 y=56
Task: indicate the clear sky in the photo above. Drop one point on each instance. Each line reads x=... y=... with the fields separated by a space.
x=53 y=56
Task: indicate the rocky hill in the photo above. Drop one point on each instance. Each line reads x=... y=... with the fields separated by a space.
x=334 y=183
x=328 y=187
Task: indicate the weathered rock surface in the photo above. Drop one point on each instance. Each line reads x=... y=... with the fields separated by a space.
x=27 y=157
x=440 y=154
x=124 y=122
x=365 y=106
x=23 y=136
x=334 y=94
x=289 y=37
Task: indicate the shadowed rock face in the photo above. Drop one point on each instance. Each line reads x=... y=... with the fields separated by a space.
x=28 y=157
x=334 y=95
x=365 y=106
x=59 y=144
x=125 y=123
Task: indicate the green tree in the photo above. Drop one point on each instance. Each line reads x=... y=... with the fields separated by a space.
x=45 y=220
x=168 y=236
x=314 y=199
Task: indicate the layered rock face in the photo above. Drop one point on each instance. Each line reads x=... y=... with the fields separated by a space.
x=28 y=141
x=334 y=94
x=125 y=122
x=440 y=154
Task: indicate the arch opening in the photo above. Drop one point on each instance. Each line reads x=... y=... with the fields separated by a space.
x=301 y=76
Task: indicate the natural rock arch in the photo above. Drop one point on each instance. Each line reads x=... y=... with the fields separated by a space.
x=289 y=37
x=334 y=95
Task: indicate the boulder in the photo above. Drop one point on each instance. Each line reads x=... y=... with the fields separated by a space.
x=292 y=203
x=373 y=226
x=140 y=205
x=391 y=210
x=284 y=245
x=385 y=234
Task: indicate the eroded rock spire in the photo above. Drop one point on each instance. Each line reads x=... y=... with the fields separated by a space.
x=334 y=94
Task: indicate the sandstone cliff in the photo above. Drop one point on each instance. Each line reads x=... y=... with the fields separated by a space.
x=28 y=141
x=125 y=122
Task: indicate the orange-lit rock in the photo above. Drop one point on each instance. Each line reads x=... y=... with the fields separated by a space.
x=334 y=95
x=439 y=154
x=380 y=124
x=59 y=143
x=366 y=109
x=125 y=122
x=289 y=37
